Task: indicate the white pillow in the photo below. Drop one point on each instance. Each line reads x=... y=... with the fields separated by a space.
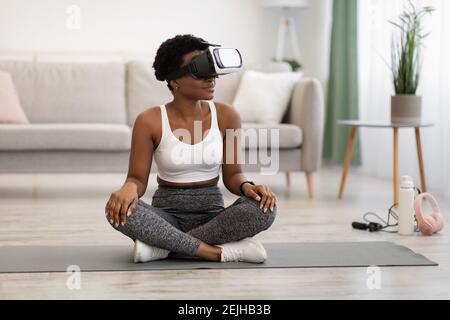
x=264 y=97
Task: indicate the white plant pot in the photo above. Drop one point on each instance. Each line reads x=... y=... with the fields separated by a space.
x=406 y=109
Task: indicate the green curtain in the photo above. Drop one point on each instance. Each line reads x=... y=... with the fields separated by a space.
x=342 y=100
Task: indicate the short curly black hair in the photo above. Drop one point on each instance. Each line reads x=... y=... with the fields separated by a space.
x=169 y=56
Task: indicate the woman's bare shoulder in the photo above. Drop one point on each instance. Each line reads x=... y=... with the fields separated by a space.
x=150 y=115
x=223 y=107
x=149 y=120
x=227 y=114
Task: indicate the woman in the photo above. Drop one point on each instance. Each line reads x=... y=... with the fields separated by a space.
x=187 y=214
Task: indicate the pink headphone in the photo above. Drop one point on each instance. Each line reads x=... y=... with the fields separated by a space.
x=432 y=223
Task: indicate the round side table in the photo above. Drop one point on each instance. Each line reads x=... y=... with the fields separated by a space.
x=355 y=124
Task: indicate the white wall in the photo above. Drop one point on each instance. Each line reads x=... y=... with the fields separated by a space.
x=142 y=25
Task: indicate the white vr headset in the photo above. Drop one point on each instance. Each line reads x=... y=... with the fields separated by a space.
x=213 y=62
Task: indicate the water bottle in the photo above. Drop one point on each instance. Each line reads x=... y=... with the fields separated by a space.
x=406 y=206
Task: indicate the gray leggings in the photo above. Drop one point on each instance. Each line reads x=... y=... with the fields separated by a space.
x=179 y=218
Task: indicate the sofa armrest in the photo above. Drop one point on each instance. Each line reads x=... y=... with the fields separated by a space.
x=307 y=111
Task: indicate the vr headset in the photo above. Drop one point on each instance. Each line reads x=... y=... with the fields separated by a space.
x=213 y=62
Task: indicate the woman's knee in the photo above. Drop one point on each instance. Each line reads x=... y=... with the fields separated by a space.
x=131 y=221
x=263 y=219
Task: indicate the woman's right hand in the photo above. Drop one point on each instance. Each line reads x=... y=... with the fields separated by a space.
x=121 y=204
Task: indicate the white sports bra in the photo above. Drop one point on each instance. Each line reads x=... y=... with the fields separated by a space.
x=181 y=162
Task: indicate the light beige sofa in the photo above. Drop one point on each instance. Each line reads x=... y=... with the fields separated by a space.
x=82 y=112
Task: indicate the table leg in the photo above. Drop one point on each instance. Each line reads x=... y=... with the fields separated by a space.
x=347 y=160
x=396 y=178
x=421 y=166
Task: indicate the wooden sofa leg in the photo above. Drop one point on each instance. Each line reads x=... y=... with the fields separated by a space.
x=288 y=179
x=309 y=181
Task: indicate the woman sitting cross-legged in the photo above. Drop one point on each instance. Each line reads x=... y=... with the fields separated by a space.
x=187 y=214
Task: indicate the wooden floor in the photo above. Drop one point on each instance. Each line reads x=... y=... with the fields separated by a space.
x=69 y=210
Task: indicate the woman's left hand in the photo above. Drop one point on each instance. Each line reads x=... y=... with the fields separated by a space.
x=261 y=193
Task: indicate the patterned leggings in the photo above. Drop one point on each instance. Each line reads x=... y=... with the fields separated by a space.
x=179 y=218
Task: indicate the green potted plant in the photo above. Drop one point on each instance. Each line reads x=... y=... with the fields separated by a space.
x=406 y=106
x=295 y=65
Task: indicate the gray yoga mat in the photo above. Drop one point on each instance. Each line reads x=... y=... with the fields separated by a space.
x=18 y=259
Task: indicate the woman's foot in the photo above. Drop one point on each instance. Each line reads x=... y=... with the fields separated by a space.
x=145 y=253
x=247 y=250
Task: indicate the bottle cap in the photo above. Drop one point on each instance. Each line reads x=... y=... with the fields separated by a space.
x=406 y=182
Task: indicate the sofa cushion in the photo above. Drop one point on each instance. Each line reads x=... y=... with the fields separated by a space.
x=268 y=93
x=228 y=85
x=69 y=136
x=255 y=135
x=70 y=92
x=143 y=89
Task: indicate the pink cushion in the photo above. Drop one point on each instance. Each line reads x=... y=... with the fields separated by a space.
x=10 y=109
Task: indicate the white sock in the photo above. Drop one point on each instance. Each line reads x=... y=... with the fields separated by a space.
x=246 y=250
x=144 y=253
